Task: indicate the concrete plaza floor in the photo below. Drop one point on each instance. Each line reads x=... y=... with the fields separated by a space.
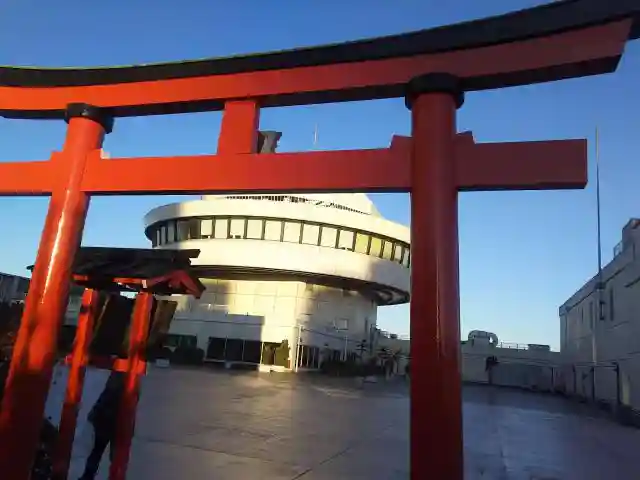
x=234 y=426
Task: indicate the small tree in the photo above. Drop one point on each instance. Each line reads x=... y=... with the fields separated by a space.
x=361 y=348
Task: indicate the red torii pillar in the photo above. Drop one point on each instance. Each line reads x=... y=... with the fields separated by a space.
x=33 y=359
x=435 y=326
x=75 y=382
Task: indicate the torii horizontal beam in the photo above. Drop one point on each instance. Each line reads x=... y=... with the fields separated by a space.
x=560 y=164
x=493 y=66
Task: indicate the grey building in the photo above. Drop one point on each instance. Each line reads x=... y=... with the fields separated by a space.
x=600 y=329
x=13 y=288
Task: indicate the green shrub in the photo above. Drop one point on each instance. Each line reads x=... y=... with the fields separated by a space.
x=187 y=356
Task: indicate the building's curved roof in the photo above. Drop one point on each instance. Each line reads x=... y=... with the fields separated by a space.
x=350 y=216
x=358 y=202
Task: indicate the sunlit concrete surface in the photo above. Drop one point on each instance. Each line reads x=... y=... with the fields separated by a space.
x=512 y=434
x=202 y=425
x=207 y=424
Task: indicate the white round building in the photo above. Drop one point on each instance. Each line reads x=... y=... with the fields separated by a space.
x=302 y=273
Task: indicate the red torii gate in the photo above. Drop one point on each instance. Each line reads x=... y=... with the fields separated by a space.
x=431 y=68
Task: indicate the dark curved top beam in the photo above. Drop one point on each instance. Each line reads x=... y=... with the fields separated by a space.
x=425 y=50
x=556 y=17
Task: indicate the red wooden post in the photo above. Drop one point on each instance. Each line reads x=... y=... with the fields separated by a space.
x=436 y=409
x=35 y=349
x=138 y=334
x=239 y=130
x=75 y=383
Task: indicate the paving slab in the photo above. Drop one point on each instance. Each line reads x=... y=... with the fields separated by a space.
x=200 y=424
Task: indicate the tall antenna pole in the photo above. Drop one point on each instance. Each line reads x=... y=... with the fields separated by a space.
x=594 y=344
x=597 y=145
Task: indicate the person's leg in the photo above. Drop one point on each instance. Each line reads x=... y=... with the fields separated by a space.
x=100 y=443
x=112 y=444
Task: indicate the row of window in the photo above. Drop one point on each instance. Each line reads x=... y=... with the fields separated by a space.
x=292 y=231
x=606 y=305
x=607 y=312
x=253 y=351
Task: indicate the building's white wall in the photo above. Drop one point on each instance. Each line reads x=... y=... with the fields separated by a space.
x=617 y=334
x=270 y=311
x=269 y=289
x=292 y=257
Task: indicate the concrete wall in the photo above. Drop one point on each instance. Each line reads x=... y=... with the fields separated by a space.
x=521 y=367
x=517 y=367
x=616 y=329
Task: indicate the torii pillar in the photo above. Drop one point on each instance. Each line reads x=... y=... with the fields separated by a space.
x=35 y=348
x=435 y=330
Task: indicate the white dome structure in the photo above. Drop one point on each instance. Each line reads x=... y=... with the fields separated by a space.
x=310 y=270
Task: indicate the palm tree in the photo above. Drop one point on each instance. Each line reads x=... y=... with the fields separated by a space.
x=390 y=359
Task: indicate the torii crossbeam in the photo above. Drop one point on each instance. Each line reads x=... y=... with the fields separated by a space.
x=431 y=68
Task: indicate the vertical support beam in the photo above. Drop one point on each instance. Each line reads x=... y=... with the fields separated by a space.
x=436 y=407
x=34 y=355
x=138 y=334
x=75 y=383
x=239 y=130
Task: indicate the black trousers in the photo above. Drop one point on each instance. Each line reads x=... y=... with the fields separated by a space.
x=103 y=437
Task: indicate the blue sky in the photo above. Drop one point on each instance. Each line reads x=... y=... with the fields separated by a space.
x=521 y=253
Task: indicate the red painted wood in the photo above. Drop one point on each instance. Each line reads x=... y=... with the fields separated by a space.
x=541 y=165
x=75 y=382
x=27 y=178
x=347 y=170
x=548 y=165
x=606 y=41
x=239 y=129
x=436 y=403
x=33 y=358
x=127 y=413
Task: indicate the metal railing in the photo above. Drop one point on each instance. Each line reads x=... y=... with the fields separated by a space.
x=513 y=345
x=393 y=336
